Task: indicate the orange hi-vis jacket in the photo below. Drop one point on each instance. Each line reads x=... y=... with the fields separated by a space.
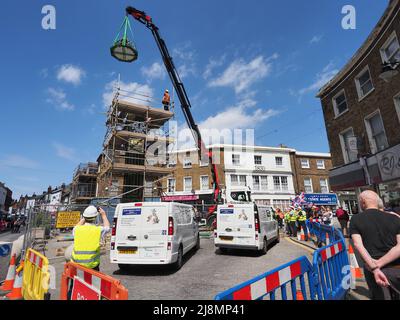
x=166 y=99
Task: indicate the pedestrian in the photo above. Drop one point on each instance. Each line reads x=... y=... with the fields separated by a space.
x=343 y=218
x=327 y=216
x=166 y=100
x=287 y=222
x=376 y=236
x=293 y=222
x=280 y=217
x=301 y=218
x=87 y=238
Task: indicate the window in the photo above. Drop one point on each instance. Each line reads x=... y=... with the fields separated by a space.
x=321 y=164
x=277 y=183
x=376 y=133
x=258 y=160
x=256 y=183
x=279 y=161
x=187 y=184
x=204 y=162
x=340 y=103
x=305 y=163
x=282 y=203
x=187 y=163
x=264 y=182
x=324 y=185
x=397 y=105
x=204 y=184
x=349 y=145
x=390 y=51
x=284 y=182
x=171 y=185
x=236 y=159
x=238 y=180
x=308 y=188
x=364 y=83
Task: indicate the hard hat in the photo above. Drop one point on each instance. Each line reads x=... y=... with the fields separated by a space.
x=90 y=212
x=166 y=90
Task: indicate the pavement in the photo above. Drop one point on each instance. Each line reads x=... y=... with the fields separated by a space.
x=10 y=237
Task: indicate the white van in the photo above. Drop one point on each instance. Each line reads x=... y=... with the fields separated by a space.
x=153 y=233
x=245 y=226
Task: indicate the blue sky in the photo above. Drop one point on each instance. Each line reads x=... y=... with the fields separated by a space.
x=254 y=64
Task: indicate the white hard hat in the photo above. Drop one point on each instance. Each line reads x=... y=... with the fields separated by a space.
x=90 y=212
x=166 y=90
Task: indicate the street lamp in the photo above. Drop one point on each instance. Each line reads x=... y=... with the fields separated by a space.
x=389 y=70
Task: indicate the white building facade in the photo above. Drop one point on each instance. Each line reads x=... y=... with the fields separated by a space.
x=266 y=170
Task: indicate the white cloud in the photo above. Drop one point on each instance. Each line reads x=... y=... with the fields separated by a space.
x=155 y=71
x=241 y=74
x=131 y=92
x=18 y=161
x=71 y=74
x=316 y=39
x=212 y=64
x=185 y=60
x=239 y=116
x=323 y=77
x=65 y=152
x=58 y=98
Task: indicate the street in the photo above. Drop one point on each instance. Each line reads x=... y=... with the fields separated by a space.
x=10 y=237
x=204 y=274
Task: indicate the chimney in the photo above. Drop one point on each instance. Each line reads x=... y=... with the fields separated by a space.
x=49 y=189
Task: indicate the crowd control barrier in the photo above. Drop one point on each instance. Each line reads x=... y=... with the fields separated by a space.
x=324 y=234
x=328 y=277
x=332 y=270
x=80 y=283
x=274 y=284
x=36 y=276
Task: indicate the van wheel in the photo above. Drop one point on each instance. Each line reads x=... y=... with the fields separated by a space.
x=265 y=246
x=179 y=262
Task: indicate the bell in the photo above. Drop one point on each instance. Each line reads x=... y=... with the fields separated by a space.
x=124 y=50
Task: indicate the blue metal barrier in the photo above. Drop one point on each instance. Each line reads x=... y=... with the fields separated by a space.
x=326 y=276
x=331 y=268
x=275 y=282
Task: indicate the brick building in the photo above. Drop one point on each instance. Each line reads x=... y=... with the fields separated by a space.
x=361 y=107
x=84 y=182
x=311 y=171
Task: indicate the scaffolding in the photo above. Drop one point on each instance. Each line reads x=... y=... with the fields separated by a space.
x=83 y=188
x=134 y=156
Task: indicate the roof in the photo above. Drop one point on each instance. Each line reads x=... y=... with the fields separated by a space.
x=390 y=13
x=313 y=154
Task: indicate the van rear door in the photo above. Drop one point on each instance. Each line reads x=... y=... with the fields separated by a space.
x=142 y=231
x=235 y=224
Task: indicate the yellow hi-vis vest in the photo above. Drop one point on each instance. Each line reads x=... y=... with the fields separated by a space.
x=303 y=216
x=293 y=216
x=86 y=250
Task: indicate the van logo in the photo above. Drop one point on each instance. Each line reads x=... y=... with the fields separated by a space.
x=226 y=211
x=132 y=212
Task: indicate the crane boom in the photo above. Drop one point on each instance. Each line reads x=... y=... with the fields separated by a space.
x=183 y=97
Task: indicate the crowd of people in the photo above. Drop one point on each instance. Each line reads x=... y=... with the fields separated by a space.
x=13 y=224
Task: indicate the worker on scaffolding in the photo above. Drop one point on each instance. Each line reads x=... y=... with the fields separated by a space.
x=166 y=101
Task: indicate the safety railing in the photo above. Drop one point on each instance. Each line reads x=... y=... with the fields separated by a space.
x=80 y=283
x=273 y=285
x=332 y=271
x=324 y=234
x=36 y=276
x=328 y=277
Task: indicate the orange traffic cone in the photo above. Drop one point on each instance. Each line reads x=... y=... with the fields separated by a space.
x=9 y=282
x=301 y=236
x=327 y=240
x=299 y=295
x=356 y=272
x=16 y=292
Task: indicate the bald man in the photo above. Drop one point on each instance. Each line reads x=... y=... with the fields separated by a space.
x=376 y=236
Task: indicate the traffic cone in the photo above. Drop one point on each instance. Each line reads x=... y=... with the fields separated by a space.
x=299 y=295
x=356 y=272
x=301 y=235
x=16 y=292
x=9 y=282
x=327 y=240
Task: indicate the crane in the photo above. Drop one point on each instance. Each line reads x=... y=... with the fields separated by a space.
x=145 y=19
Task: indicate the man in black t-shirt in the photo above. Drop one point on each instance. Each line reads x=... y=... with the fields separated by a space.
x=376 y=236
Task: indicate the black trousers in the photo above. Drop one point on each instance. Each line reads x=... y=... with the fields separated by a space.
x=379 y=293
x=293 y=228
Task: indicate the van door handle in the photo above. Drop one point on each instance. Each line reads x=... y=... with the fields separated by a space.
x=132 y=238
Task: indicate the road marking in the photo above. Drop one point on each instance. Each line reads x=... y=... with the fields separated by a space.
x=311 y=251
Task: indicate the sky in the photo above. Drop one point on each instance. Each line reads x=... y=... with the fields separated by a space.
x=250 y=65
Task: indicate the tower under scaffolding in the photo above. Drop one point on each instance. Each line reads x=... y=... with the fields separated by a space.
x=134 y=157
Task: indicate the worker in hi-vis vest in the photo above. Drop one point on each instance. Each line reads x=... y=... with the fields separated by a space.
x=166 y=100
x=87 y=238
